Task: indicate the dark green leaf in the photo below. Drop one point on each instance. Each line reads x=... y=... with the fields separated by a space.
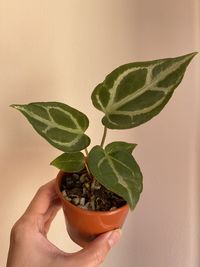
x=118 y=172
x=134 y=93
x=69 y=162
x=61 y=125
x=117 y=146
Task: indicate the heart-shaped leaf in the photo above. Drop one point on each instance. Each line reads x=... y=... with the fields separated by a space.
x=69 y=162
x=117 y=146
x=134 y=93
x=118 y=172
x=61 y=125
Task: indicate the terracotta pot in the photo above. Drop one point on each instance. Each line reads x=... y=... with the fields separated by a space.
x=83 y=225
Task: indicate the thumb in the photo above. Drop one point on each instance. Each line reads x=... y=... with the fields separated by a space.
x=94 y=254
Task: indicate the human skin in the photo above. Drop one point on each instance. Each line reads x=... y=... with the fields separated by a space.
x=29 y=246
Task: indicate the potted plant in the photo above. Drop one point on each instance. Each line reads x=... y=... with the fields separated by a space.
x=98 y=188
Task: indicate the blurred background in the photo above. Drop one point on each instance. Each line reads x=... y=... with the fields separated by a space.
x=59 y=51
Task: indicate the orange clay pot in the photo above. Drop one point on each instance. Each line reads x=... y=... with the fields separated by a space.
x=84 y=225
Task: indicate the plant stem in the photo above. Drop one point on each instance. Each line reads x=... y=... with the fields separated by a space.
x=93 y=180
x=104 y=136
x=87 y=169
x=86 y=164
x=86 y=152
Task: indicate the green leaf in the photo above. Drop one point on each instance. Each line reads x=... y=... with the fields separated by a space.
x=118 y=172
x=61 y=125
x=69 y=162
x=136 y=92
x=117 y=146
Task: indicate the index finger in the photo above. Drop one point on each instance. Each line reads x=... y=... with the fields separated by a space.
x=43 y=199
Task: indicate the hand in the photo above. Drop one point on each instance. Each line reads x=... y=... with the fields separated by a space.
x=29 y=246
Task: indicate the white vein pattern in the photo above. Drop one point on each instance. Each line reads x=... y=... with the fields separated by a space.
x=117 y=82
x=100 y=103
x=120 y=179
x=151 y=84
x=63 y=111
x=51 y=124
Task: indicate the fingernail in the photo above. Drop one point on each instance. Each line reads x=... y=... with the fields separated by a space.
x=114 y=237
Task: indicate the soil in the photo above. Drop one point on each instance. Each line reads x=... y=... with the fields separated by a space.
x=83 y=191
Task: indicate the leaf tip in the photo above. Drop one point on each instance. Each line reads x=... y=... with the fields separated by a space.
x=15 y=106
x=51 y=163
x=195 y=53
x=191 y=55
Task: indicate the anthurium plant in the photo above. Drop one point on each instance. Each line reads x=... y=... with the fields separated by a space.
x=129 y=96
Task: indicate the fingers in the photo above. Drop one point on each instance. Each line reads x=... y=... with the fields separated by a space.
x=43 y=199
x=50 y=215
x=94 y=254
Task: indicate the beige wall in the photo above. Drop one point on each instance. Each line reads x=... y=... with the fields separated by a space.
x=59 y=50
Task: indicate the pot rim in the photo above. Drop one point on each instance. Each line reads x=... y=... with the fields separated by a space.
x=89 y=212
